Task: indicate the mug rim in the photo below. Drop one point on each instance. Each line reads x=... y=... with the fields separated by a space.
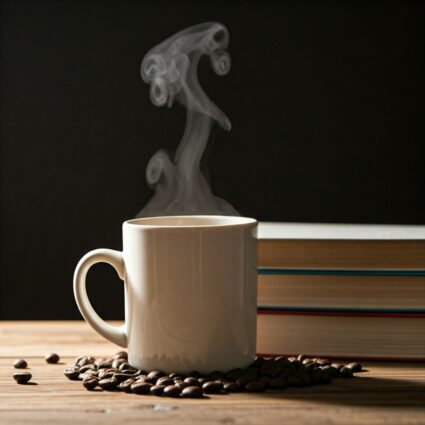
x=226 y=222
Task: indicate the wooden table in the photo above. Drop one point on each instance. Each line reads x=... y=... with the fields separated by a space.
x=389 y=393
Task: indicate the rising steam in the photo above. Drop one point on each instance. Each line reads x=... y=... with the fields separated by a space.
x=171 y=70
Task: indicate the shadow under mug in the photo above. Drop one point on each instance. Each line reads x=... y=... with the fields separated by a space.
x=190 y=292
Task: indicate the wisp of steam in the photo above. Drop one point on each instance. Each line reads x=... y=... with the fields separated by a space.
x=171 y=70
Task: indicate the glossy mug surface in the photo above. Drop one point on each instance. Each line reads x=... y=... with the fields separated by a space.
x=190 y=292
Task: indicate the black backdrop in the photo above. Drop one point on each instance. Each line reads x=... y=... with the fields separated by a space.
x=326 y=101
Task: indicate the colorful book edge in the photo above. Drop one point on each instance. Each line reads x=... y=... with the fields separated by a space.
x=338 y=272
x=339 y=312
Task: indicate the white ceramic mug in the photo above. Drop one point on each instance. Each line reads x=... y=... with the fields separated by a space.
x=190 y=292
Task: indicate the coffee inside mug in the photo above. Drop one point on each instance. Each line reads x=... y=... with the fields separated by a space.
x=192 y=221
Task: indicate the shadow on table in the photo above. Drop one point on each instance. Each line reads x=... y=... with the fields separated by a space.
x=359 y=391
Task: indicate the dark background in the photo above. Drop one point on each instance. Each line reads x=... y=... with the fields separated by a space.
x=326 y=101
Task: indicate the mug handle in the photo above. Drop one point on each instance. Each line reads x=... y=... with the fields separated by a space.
x=116 y=334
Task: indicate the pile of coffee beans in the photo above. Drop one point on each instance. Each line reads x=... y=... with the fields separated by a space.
x=116 y=374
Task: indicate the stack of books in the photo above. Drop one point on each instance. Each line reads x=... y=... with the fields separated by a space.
x=341 y=291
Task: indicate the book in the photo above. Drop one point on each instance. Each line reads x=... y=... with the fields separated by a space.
x=342 y=335
x=341 y=246
x=334 y=291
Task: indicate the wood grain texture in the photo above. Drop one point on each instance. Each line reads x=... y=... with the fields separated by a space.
x=388 y=393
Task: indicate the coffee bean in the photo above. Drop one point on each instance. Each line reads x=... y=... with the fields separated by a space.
x=126 y=385
x=87 y=367
x=192 y=381
x=194 y=374
x=132 y=372
x=124 y=365
x=216 y=375
x=323 y=362
x=234 y=374
x=192 y=392
x=156 y=374
x=296 y=364
x=87 y=374
x=165 y=381
x=326 y=377
x=90 y=383
x=316 y=376
x=265 y=380
x=108 y=384
x=251 y=369
x=279 y=359
x=333 y=371
x=181 y=384
x=52 y=358
x=103 y=374
x=296 y=380
x=346 y=372
x=313 y=365
x=258 y=362
x=141 y=387
x=301 y=357
x=320 y=376
x=120 y=377
x=293 y=381
x=22 y=377
x=106 y=364
x=172 y=391
x=144 y=378
x=20 y=364
x=231 y=387
x=255 y=387
x=173 y=375
x=72 y=373
x=286 y=374
x=120 y=355
x=306 y=379
x=212 y=387
x=277 y=383
x=308 y=361
x=203 y=379
x=157 y=389
x=272 y=369
x=337 y=365
x=126 y=368
x=99 y=361
x=118 y=362
x=84 y=360
x=244 y=379
x=355 y=367
x=268 y=368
